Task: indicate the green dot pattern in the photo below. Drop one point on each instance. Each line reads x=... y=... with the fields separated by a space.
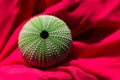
x=41 y=52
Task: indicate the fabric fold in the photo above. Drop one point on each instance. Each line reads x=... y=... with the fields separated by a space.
x=94 y=24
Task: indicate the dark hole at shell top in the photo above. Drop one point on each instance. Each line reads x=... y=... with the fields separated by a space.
x=44 y=34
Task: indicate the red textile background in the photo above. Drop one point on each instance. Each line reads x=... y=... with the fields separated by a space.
x=95 y=28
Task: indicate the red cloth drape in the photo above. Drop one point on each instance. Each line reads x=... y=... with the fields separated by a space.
x=95 y=27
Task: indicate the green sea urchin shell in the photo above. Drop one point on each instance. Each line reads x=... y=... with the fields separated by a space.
x=45 y=41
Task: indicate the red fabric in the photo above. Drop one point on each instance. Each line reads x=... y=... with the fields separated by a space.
x=95 y=28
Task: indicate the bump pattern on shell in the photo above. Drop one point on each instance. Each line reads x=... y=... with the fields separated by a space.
x=45 y=41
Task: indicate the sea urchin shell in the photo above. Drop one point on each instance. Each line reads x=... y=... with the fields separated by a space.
x=45 y=41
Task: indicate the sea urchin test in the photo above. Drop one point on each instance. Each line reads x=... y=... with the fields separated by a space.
x=45 y=41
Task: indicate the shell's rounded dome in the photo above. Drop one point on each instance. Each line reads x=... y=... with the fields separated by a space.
x=45 y=41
